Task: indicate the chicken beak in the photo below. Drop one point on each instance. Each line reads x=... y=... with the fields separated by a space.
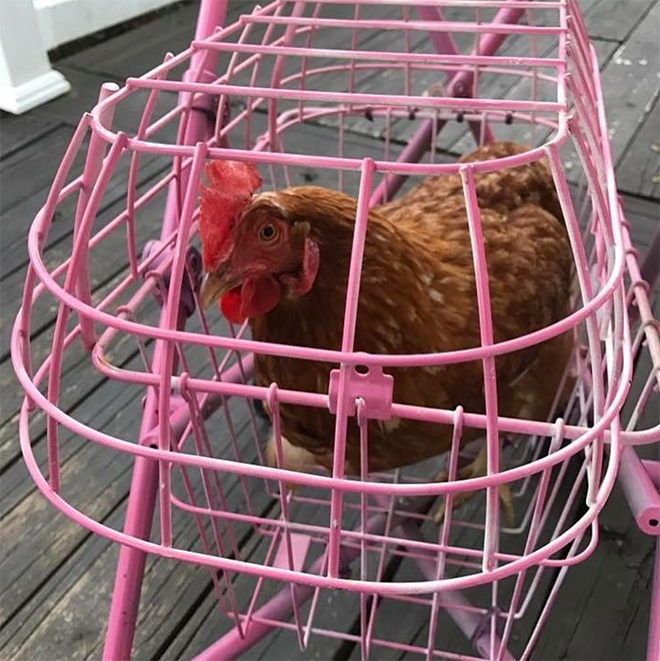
x=214 y=285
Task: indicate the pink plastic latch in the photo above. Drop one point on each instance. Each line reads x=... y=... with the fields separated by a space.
x=369 y=383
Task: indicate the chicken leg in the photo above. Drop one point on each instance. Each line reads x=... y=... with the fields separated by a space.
x=477 y=468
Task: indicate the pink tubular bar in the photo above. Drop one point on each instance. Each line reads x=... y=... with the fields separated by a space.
x=253 y=90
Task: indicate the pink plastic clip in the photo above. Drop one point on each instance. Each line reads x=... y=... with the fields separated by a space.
x=369 y=383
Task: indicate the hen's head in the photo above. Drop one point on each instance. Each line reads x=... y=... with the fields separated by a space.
x=254 y=249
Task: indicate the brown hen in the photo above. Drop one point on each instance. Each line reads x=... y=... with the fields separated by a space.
x=282 y=260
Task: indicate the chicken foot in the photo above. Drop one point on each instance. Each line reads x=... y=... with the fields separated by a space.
x=477 y=468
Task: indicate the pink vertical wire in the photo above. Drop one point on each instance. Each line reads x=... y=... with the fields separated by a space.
x=363 y=422
x=223 y=101
x=586 y=291
x=547 y=605
x=454 y=602
x=248 y=618
x=132 y=184
x=203 y=447
x=562 y=92
x=580 y=38
x=614 y=229
x=42 y=226
x=443 y=541
x=251 y=101
x=490 y=378
x=95 y=155
x=348 y=338
x=172 y=321
x=600 y=230
x=206 y=545
x=278 y=69
x=79 y=256
x=211 y=14
x=274 y=406
x=407 y=86
x=474 y=81
x=188 y=486
x=388 y=504
x=314 y=604
x=534 y=532
x=305 y=60
x=351 y=89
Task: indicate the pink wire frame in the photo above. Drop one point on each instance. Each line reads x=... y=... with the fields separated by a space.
x=178 y=401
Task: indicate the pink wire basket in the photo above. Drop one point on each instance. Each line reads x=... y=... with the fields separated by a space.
x=125 y=285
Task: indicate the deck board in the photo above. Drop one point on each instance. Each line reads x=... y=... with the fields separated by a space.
x=628 y=90
x=56 y=589
x=614 y=21
x=604 y=594
x=638 y=169
x=17 y=131
x=25 y=169
x=139 y=50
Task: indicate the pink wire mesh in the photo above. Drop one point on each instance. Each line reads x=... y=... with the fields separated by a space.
x=281 y=105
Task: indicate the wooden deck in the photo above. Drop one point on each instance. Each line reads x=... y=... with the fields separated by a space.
x=56 y=578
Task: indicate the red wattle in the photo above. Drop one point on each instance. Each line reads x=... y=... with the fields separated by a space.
x=255 y=297
x=260 y=295
x=230 y=306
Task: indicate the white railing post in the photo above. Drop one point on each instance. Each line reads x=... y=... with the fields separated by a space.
x=26 y=77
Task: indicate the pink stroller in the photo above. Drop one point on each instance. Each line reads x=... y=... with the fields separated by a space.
x=368 y=545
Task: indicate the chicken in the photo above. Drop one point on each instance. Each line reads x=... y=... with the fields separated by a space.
x=281 y=259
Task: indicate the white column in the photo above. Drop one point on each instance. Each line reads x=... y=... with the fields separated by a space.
x=26 y=78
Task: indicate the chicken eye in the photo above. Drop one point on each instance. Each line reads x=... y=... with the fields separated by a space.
x=268 y=233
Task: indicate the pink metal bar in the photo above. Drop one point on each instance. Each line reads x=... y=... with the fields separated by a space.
x=581 y=438
x=652 y=469
x=130 y=566
x=460 y=61
x=95 y=155
x=496 y=4
x=490 y=375
x=196 y=125
x=348 y=339
x=140 y=508
x=141 y=504
x=586 y=290
x=642 y=495
x=132 y=179
x=494 y=27
x=278 y=68
x=175 y=317
x=345 y=97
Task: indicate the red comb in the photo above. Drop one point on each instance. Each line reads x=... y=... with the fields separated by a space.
x=231 y=186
